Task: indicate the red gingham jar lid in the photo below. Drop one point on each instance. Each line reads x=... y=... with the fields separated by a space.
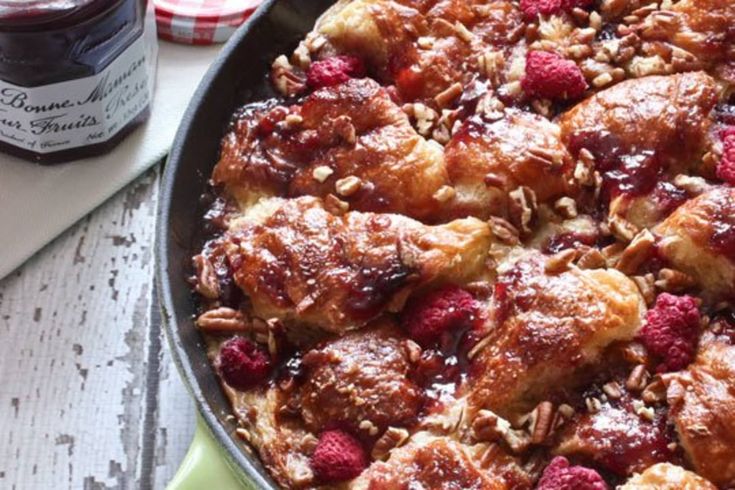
x=201 y=21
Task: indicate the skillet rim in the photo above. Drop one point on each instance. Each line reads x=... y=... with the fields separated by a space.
x=247 y=466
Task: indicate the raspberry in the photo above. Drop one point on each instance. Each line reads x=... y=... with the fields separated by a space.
x=550 y=76
x=726 y=167
x=242 y=363
x=338 y=457
x=671 y=331
x=443 y=310
x=531 y=8
x=333 y=71
x=559 y=475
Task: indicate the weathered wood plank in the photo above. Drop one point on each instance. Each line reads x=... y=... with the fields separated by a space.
x=76 y=345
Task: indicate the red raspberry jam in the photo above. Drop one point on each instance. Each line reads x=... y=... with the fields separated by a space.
x=75 y=76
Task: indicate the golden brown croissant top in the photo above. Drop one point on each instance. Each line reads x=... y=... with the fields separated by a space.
x=352 y=142
x=545 y=328
x=701 y=403
x=302 y=264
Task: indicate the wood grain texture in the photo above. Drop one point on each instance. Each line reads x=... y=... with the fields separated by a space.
x=89 y=398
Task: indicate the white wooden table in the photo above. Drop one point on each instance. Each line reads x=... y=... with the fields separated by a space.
x=89 y=398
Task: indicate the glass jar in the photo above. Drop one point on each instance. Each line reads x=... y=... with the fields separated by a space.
x=75 y=75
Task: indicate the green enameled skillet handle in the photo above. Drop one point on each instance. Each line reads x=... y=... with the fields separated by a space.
x=204 y=467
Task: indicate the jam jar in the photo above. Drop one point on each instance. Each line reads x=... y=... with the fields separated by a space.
x=75 y=75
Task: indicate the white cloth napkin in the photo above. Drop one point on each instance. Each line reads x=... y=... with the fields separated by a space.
x=37 y=202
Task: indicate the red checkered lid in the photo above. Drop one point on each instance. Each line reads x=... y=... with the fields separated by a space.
x=201 y=21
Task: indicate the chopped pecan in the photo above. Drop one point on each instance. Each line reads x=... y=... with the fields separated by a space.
x=693 y=185
x=547 y=157
x=621 y=228
x=491 y=108
x=638 y=378
x=335 y=205
x=286 y=79
x=646 y=287
x=643 y=411
x=491 y=63
x=641 y=66
x=503 y=231
x=444 y=193
x=413 y=350
x=488 y=427
x=522 y=208
x=593 y=404
x=485 y=427
x=567 y=207
x=425 y=117
x=321 y=173
x=592 y=258
x=207 y=283
x=640 y=249
x=655 y=391
x=392 y=438
x=635 y=353
x=560 y=262
x=612 y=253
x=463 y=33
x=446 y=97
x=673 y=281
x=343 y=127
x=348 y=185
x=612 y=390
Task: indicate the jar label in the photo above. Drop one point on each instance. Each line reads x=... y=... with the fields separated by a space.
x=79 y=112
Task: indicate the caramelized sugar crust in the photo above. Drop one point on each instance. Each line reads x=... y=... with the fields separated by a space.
x=701 y=27
x=699 y=238
x=431 y=462
x=410 y=160
x=701 y=402
x=547 y=327
x=361 y=381
x=354 y=130
x=298 y=262
x=488 y=160
x=666 y=116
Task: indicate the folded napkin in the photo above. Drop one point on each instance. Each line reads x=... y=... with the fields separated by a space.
x=37 y=202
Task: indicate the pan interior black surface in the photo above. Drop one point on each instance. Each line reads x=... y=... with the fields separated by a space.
x=239 y=75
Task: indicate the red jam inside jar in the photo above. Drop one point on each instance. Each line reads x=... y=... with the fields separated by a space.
x=76 y=76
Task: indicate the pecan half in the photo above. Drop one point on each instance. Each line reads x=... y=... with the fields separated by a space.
x=222 y=319
x=542 y=422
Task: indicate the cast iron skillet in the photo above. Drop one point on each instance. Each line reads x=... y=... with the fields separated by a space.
x=238 y=75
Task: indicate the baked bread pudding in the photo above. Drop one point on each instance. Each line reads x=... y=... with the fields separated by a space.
x=483 y=244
